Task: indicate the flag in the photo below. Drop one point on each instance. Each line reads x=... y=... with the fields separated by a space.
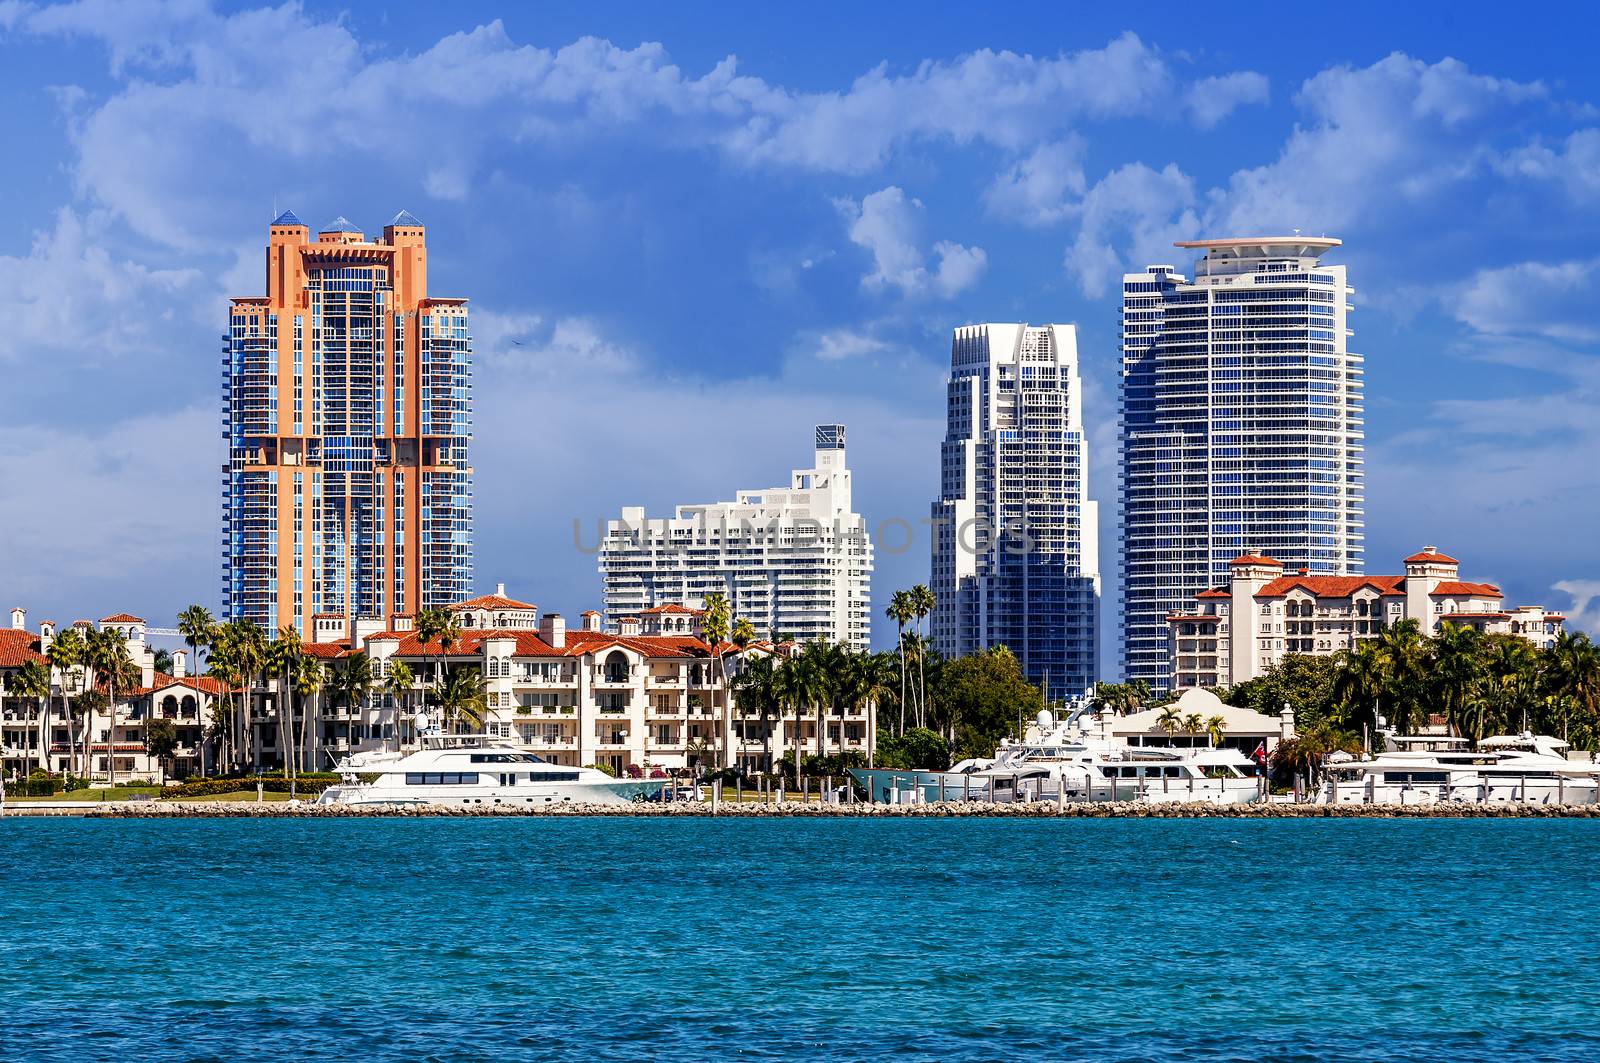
x=1260 y=755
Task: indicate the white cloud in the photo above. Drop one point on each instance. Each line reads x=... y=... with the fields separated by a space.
x=888 y=224
x=1035 y=189
x=1584 y=613
x=1379 y=140
x=69 y=296
x=1212 y=99
x=1555 y=300
x=1575 y=165
x=838 y=344
x=1135 y=207
x=199 y=86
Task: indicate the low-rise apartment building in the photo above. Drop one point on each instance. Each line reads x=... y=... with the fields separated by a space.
x=1238 y=631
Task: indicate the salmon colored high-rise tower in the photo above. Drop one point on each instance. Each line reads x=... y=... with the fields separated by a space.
x=347 y=406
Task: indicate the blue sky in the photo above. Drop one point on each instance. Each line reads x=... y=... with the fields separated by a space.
x=689 y=233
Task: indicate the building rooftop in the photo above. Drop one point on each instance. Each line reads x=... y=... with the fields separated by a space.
x=405 y=217
x=288 y=217
x=341 y=224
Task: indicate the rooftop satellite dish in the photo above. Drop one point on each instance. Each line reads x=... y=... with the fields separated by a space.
x=1045 y=720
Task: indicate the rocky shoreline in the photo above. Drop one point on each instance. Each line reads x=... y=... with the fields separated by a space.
x=794 y=809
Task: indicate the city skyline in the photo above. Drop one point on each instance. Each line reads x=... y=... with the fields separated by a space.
x=696 y=292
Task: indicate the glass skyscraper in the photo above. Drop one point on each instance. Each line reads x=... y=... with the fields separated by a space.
x=1241 y=428
x=1016 y=540
x=347 y=407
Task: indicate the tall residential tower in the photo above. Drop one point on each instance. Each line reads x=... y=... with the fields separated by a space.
x=347 y=406
x=1016 y=541
x=1241 y=428
x=792 y=560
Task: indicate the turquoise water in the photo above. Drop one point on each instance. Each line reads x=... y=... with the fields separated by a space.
x=517 y=939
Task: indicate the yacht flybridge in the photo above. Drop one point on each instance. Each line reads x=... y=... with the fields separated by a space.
x=1427 y=769
x=1077 y=760
x=476 y=770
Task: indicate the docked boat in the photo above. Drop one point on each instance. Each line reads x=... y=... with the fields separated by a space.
x=1077 y=759
x=476 y=770
x=1431 y=769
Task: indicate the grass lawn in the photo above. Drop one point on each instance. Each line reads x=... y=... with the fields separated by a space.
x=237 y=795
x=100 y=793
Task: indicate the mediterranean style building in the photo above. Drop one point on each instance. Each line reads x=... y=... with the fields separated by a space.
x=650 y=697
x=347 y=406
x=795 y=561
x=1235 y=632
x=1016 y=540
x=1242 y=427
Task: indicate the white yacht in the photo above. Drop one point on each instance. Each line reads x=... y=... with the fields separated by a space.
x=1077 y=760
x=476 y=770
x=1428 y=769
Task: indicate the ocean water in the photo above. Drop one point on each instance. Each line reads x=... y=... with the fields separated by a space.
x=525 y=939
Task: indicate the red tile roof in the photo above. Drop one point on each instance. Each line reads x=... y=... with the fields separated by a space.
x=1474 y=616
x=1215 y=592
x=1424 y=557
x=1330 y=586
x=671 y=607
x=1255 y=559
x=1479 y=590
x=492 y=601
x=122 y=618
x=18 y=647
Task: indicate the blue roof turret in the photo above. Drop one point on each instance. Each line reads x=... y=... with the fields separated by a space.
x=288 y=218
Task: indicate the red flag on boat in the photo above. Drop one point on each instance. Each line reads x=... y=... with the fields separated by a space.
x=1260 y=754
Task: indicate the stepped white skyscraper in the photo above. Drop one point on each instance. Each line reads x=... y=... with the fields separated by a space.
x=794 y=561
x=1016 y=543
x=1242 y=428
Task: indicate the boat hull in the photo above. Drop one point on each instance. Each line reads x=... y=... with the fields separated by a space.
x=528 y=796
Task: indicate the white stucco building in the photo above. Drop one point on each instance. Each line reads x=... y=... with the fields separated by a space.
x=795 y=561
x=1242 y=427
x=1236 y=631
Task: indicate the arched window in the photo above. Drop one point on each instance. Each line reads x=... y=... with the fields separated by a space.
x=616 y=667
x=169 y=706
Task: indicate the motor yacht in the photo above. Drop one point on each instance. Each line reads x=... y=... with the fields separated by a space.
x=1077 y=760
x=476 y=770
x=1428 y=769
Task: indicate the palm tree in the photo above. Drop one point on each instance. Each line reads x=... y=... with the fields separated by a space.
x=1216 y=730
x=1571 y=674
x=32 y=680
x=66 y=657
x=307 y=679
x=397 y=684
x=1170 y=721
x=922 y=606
x=716 y=624
x=1193 y=724
x=756 y=688
x=199 y=630
x=901 y=612
x=108 y=660
x=824 y=662
x=1405 y=668
x=246 y=647
x=464 y=697
x=1359 y=682
x=283 y=654
x=428 y=625
x=353 y=681
x=877 y=683
x=1455 y=666
x=794 y=688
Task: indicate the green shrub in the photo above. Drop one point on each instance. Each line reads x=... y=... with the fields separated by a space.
x=276 y=784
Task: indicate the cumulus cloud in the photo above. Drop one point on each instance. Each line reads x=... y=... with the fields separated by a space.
x=199 y=85
x=888 y=224
x=1212 y=99
x=70 y=296
x=1038 y=189
x=1584 y=613
x=1574 y=165
x=838 y=344
x=1555 y=300
x=1136 y=208
x=1378 y=141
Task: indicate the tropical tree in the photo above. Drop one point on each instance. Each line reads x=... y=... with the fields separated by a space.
x=901 y=611
x=32 y=680
x=1170 y=720
x=161 y=742
x=716 y=624
x=1405 y=667
x=795 y=688
x=1455 y=665
x=161 y=661
x=66 y=654
x=1359 y=683
x=464 y=698
x=397 y=684
x=108 y=660
x=983 y=694
x=756 y=689
x=199 y=631
x=1216 y=730
x=353 y=681
x=922 y=606
x=1193 y=724
x=282 y=656
x=307 y=678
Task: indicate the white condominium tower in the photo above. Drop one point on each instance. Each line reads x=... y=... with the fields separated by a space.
x=1016 y=541
x=792 y=560
x=1241 y=428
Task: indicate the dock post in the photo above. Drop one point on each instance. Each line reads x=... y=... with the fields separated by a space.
x=941 y=787
x=716 y=795
x=1561 y=789
x=1061 y=791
